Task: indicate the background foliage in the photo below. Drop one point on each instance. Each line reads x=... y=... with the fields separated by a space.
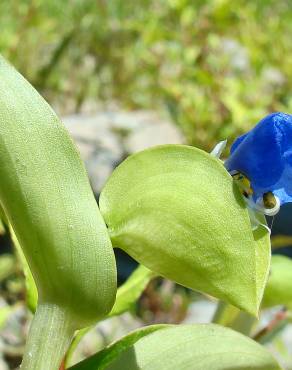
x=216 y=67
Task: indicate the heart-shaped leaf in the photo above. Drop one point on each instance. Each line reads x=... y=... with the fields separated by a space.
x=176 y=210
x=192 y=347
x=279 y=287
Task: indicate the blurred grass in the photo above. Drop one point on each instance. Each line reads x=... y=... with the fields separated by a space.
x=215 y=66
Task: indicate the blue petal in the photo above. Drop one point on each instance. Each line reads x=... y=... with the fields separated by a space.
x=264 y=156
x=237 y=142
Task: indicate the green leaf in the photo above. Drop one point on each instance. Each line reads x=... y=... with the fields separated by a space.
x=131 y=290
x=127 y=294
x=176 y=210
x=46 y=197
x=31 y=289
x=231 y=317
x=197 y=347
x=7 y=261
x=104 y=357
x=279 y=287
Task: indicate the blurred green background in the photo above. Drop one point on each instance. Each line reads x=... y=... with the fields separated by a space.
x=215 y=66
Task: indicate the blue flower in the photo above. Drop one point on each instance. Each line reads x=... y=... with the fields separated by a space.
x=264 y=157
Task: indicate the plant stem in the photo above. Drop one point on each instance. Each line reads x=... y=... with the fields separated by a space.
x=49 y=337
x=275 y=326
x=230 y=316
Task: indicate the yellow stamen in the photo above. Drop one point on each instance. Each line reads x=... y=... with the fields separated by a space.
x=243 y=184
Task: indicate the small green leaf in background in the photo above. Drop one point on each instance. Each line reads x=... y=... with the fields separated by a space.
x=7 y=261
x=231 y=317
x=190 y=347
x=176 y=210
x=131 y=290
x=279 y=287
x=31 y=289
x=127 y=296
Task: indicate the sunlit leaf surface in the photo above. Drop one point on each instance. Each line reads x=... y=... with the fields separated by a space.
x=189 y=347
x=176 y=210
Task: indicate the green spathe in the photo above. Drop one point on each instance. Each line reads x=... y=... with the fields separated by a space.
x=176 y=210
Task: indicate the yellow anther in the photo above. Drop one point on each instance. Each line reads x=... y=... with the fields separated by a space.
x=243 y=184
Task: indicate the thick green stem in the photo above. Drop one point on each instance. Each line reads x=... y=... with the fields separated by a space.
x=230 y=316
x=49 y=338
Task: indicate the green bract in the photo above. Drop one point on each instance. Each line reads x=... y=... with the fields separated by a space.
x=191 y=347
x=46 y=196
x=176 y=210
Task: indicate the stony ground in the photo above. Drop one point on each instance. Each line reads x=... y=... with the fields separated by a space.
x=106 y=138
